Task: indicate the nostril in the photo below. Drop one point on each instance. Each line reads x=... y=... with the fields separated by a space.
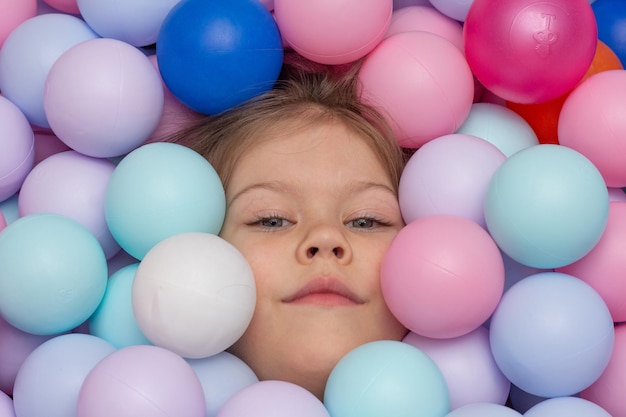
x=311 y=252
x=338 y=252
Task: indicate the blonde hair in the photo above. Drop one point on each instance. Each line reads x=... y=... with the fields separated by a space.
x=305 y=93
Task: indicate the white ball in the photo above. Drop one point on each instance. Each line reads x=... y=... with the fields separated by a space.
x=194 y=294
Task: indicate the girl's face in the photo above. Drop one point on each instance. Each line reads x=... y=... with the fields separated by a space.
x=313 y=213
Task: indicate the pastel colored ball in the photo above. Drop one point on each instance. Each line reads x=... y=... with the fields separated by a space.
x=605 y=391
x=456 y=9
x=551 y=335
x=546 y=206
x=449 y=175
x=530 y=52
x=328 y=32
x=483 y=409
x=18 y=148
x=6 y=405
x=74 y=185
x=66 y=6
x=594 y=108
x=442 y=276
x=52 y=273
x=500 y=126
x=468 y=366
x=51 y=377
x=601 y=267
x=103 y=98
x=418 y=70
x=203 y=290
x=141 y=380
x=566 y=407
x=159 y=190
x=360 y=383
x=135 y=22
x=222 y=375
x=28 y=55
x=215 y=55
x=609 y=15
x=428 y=19
x=15 y=12
x=273 y=399
x=114 y=319
x=9 y=208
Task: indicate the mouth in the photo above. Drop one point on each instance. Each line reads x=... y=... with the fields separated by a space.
x=327 y=292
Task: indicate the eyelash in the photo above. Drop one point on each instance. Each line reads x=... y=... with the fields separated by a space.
x=259 y=222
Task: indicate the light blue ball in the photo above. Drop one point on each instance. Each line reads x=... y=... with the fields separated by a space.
x=114 y=320
x=386 y=378
x=546 y=206
x=53 y=273
x=566 y=407
x=551 y=335
x=160 y=190
x=483 y=410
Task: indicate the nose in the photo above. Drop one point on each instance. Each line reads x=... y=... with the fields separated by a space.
x=325 y=241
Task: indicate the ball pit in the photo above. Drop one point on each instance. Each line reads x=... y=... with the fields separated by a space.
x=459 y=98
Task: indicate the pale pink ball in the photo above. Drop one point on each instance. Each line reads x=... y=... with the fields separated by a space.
x=15 y=12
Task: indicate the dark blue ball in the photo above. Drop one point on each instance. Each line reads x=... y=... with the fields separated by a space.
x=216 y=54
x=611 y=21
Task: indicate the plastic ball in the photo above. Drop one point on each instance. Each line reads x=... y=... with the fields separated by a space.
x=609 y=15
x=500 y=126
x=601 y=267
x=50 y=378
x=546 y=206
x=482 y=409
x=616 y=194
x=215 y=55
x=66 y=6
x=28 y=55
x=73 y=185
x=386 y=378
x=194 y=294
x=222 y=376
x=3 y=221
x=18 y=148
x=566 y=407
x=428 y=19
x=456 y=9
x=605 y=391
x=135 y=22
x=467 y=365
x=530 y=52
x=52 y=273
x=273 y=399
x=327 y=31
x=159 y=190
x=449 y=175
x=399 y=4
x=114 y=319
x=551 y=335
x=103 y=98
x=594 y=108
x=15 y=346
x=9 y=208
x=141 y=380
x=15 y=12
x=418 y=70
x=442 y=276
x=6 y=405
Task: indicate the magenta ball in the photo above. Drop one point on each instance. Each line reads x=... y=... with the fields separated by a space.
x=529 y=51
x=273 y=399
x=103 y=98
x=442 y=276
x=467 y=365
x=333 y=31
x=418 y=70
x=74 y=185
x=18 y=148
x=141 y=380
x=449 y=175
x=591 y=122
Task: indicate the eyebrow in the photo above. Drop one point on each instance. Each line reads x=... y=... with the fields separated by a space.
x=284 y=188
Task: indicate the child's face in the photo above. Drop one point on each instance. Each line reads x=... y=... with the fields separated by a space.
x=313 y=213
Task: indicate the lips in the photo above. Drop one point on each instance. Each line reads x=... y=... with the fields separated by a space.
x=326 y=292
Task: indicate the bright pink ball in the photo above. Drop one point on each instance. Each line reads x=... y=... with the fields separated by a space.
x=442 y=276
x=603 y=268
x=592 y=122
x=421 y=82
x=529 y=51
x=333 y=31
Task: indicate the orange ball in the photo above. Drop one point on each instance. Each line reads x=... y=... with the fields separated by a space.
x=544 y=117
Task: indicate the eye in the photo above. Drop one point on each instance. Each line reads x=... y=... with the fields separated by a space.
x=363 y=223
x=271 y=222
